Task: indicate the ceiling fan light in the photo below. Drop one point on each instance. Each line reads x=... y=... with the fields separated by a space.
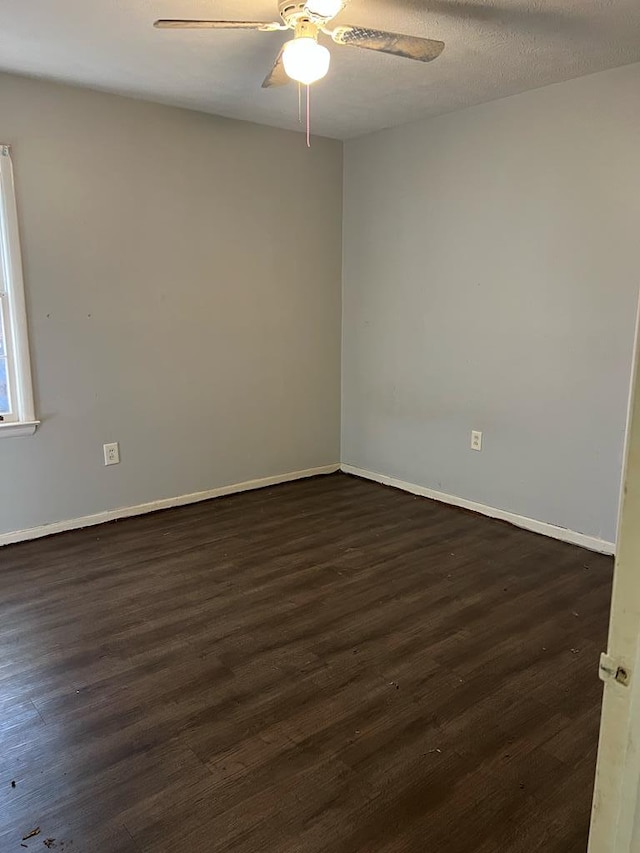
x=305 y=60
x=324 y=8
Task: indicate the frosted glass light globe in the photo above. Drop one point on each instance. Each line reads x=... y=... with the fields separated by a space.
x=324 y=8
x=305 y=60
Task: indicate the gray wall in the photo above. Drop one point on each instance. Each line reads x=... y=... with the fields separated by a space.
x=183 y=298
x=491 y=271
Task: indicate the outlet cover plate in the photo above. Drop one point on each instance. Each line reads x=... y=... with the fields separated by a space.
x=111 y=453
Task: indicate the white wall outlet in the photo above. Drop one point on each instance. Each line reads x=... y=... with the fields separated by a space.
x=111 y=453
x=476 y=439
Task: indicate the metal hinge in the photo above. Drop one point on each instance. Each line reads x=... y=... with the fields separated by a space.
x=611 y=669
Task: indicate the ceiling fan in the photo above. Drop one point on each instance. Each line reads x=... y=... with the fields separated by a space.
x=302 y=58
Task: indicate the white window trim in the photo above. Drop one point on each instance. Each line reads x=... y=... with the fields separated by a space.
x=17 y=338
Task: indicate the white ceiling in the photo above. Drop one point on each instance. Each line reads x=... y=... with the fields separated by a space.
x=493 y=48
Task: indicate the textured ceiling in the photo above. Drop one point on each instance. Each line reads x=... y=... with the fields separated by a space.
x=493 y=48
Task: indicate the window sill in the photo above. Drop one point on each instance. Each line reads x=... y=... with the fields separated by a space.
x=13 y=430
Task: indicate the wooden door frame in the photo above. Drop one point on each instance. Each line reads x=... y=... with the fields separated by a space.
x=615 y=817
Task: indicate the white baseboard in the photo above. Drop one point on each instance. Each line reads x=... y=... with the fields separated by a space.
x=165 y=503
x=562 y=533
x=590 y=542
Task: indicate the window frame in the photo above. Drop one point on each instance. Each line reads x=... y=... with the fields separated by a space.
x=22 y=420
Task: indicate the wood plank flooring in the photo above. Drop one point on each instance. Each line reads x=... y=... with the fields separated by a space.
x=327 y=665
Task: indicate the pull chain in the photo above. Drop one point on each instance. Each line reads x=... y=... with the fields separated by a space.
x=308 y=117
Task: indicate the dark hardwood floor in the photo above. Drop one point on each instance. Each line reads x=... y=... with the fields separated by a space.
x=328 y=665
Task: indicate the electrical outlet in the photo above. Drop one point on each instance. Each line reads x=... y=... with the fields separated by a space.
x=111 y=453
x=476 y=439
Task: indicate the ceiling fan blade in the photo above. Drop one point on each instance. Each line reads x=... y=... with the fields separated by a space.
x=277 y=76
x=411 y=47
x=171 y=24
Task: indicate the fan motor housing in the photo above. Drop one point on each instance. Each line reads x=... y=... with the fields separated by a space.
x=294 y=12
